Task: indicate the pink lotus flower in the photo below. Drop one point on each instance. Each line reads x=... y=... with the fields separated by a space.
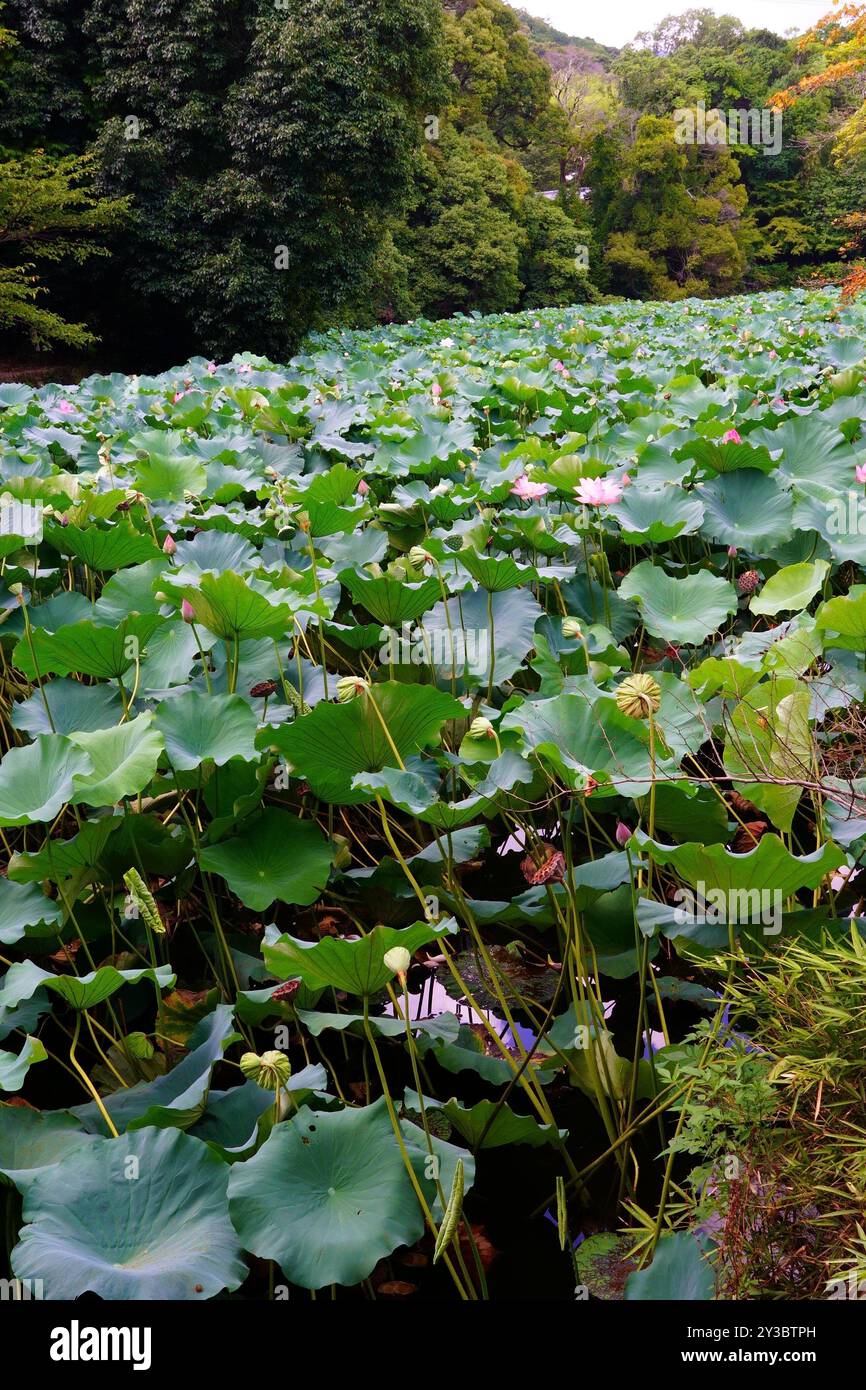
x=211 y=368
x=598 y=492
x=731 y=437
x=732 y=552
x=169 y=546
x=773 y=354
x=178 y=396
x=244 y=369
x=435 y=390
x=528 y=490
x=66 y=408
x=623 y=833
x=860 y=472
x=363 y=487
x=187 y=612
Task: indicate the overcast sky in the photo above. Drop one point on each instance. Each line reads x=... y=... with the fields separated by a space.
x=617 y=21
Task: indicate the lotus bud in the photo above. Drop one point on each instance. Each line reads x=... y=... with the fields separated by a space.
x=363 y=487
x=187 y=612
x=732 y=552
x=572 y=630
x=398 y=960
x=481 y=728
x=350 y=687
x=639 y=696
x=270 y=1071
x=623 y=833
x=419 y=557
x=169 y=545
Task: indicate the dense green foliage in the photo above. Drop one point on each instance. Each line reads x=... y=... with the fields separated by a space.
x=445 y=662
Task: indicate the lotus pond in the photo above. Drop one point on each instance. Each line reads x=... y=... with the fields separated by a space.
x=432 y=800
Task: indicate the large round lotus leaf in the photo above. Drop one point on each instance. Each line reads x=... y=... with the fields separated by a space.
x=275 y=855
x=327 y=1196
x=358 y=967
x=36 y=781
x=31 y=1141
x=75 y=708
x=791 y=588
x=26 y=911
x=747 y=509
x=14 y=1067
x=139 y=1217
x=333 y=743
x=196 y=727
x=679 y=610
x=86 y=648
x=680 y=1271
x=24 y=978
x=124 y=760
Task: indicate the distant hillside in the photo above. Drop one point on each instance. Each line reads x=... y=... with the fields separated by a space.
x=552 y=42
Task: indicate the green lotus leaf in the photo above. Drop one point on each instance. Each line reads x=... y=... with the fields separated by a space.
x=123 y=761
x=36 y=781
x=31 y=1140
x=141 y=1217
x=273 y=856
x=679 y=610
x=226 y=605
x=747 y=509
x=14 y=1067
x=769 y=749
x=23 y=979
x=26 y=911
x=790 y=589
x=489 y=1125
x=333 y=743
x=392 y=601
x=770 y=865
x=679 y=1271
x=198 y=727
x=342 y=1177
x=843 y=620
x=358 y=967
x=74 y=708
x=109 y=548
x=176 y=1099
x=86 y=648
x=658 y=516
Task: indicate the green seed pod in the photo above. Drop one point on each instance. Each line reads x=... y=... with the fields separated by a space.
x=271 y=1071
x=144 y=901
x=561 y=1212
x=639 y=696
x=453 y=1213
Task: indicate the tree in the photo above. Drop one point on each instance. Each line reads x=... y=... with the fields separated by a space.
x=677 y=227
x=49 y=213
x=269 y=148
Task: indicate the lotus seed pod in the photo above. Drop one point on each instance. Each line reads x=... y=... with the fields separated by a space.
x=639 y=696
x=350 y=687
x=397 y=959
x=251 y=1064
x=572 y=630
x=270 y=1071
x=481 y=728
